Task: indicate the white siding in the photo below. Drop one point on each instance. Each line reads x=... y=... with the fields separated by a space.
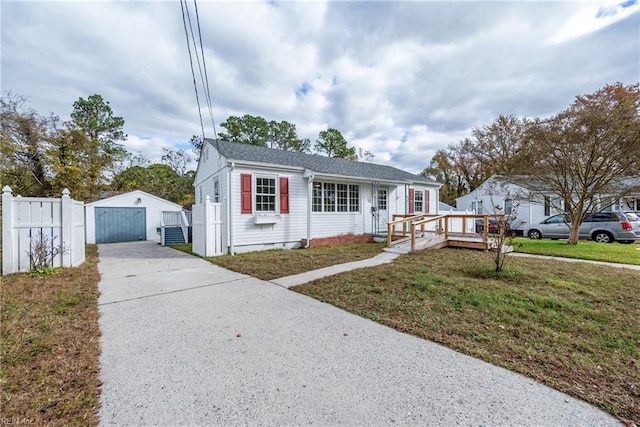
x=211 y=166
x=289 y=229
x=328 y=224
x=154 y=206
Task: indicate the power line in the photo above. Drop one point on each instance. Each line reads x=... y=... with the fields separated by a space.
x=206 y=77
x=193 y=74
x=202 y=67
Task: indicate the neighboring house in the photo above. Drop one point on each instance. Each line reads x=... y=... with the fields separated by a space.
x=126 y=217
x=443 y=207
x=498 y=196
x=280 y=199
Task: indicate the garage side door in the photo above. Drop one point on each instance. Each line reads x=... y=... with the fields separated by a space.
x=120 y=224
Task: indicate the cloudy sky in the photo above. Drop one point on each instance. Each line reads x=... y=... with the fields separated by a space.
x=401 y=79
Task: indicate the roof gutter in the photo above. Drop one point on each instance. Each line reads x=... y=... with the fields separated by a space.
x=262 y=165
x=309 y=175
x=230 y=207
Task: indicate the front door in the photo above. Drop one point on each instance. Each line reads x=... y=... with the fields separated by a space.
x=381 y=217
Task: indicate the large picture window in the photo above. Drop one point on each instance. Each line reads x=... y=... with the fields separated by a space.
x=265 y=194
x=332 y=197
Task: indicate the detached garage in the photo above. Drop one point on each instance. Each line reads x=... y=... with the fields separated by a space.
x=126 y=217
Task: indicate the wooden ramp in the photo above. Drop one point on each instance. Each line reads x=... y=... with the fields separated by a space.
x=407 y=233
x=437 y=241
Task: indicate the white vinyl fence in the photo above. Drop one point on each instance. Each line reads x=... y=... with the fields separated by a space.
x=29 y=221
x=207 y=228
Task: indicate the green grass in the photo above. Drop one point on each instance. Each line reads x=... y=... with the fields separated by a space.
x=273 y=264
x=608 y=252
x=50 y=346
x=185 y=247
x=574 y=327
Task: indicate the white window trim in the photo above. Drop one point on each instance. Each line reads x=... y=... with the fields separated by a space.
x=417 y=193
x=254 y=191
x=336 y=211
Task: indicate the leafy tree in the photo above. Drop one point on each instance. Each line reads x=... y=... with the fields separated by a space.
x=255 y=130
x=332 y=143
x=103 y=131
x=157 y=179
x=465 y=161
x=196 y=142
x=68 y=161
x=252 y=130
x=283 y=135
x=178 y=160
x=587 y=150
x=496 y=146
x=23 y=134
x=442 y=169
x=492 y=150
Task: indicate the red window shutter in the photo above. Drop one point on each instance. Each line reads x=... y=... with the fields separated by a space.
x=245 y=193
x=412 y=200
x=426 y=201
x=284 y=195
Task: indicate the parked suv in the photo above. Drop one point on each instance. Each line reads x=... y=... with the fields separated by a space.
x=604 y=227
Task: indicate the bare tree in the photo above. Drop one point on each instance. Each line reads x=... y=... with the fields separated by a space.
x=589 y=150
x=505 y=202
x=42 y=252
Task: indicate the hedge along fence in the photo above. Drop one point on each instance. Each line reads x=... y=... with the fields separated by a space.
x=35 y=227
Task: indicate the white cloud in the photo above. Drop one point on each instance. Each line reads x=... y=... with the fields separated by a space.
x=590 y=17
x=402 y=79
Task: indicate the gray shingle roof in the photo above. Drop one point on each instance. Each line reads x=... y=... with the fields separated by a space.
x=315 y=162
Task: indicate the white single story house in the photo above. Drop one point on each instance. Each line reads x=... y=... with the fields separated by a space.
x=272 y=198
x=499 y=196
x=126 y=217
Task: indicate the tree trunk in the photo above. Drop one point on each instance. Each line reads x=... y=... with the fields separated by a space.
x=574 y=233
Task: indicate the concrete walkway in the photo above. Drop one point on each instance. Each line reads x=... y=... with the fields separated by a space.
x=185 y=342
x=557 y=258
x=309 y=276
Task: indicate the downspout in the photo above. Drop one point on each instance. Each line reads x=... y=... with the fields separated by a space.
x=437 y=201
x=309 y=175
x=230 y=208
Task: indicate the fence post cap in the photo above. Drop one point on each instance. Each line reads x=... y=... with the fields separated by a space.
x=7 y=189
x=66 y=192
x=208 y=199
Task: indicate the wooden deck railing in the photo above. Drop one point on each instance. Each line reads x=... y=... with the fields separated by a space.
x=439 y=225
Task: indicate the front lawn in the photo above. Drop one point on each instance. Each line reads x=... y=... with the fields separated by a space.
x=50 y=347
x=608 y=252
x=273 y=264
x=574 y=327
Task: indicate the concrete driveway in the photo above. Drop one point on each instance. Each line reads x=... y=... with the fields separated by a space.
x=185 y=342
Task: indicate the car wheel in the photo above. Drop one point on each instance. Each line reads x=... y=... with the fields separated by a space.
x=534 y=234
x=602 y=237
